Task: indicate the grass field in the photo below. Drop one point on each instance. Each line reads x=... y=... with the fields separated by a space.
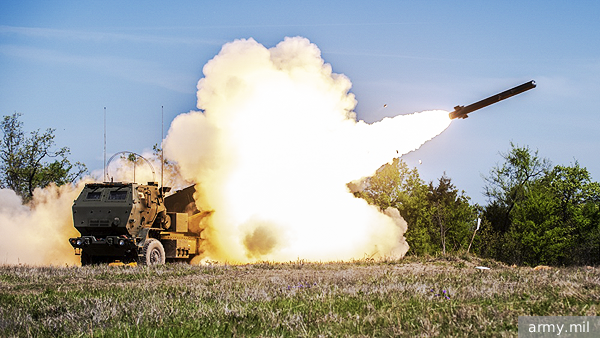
x=413 y=297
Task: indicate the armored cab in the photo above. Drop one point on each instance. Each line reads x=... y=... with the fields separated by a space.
x=130 y=222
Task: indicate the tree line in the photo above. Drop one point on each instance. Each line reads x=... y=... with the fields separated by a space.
x=536 y=213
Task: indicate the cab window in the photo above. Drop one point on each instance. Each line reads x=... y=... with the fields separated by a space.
x=93 y=195
x=117 y=195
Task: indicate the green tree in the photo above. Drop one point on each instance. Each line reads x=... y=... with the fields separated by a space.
x=508 y=183
x=537 y=236
x=396 y=185
x=438 y=217
x=541 y=215
x=578 y=211
x=392 y=184
x=451 y=213
x=28 y=162
x=513 y=202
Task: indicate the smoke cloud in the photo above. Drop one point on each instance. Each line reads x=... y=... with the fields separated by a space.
x=273 y=148
x=143 y=168
x=38 y=233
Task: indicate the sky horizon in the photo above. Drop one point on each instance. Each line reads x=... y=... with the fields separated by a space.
x=62 y=62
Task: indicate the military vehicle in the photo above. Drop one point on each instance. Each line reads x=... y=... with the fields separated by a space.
x=130 y=222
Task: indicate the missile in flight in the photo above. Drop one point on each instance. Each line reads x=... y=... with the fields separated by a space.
x=460 y=112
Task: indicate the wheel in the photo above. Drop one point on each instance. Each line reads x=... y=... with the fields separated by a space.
x=153 y=253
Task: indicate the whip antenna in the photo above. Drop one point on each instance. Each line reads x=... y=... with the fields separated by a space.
x=162 y=148
x=104 y=164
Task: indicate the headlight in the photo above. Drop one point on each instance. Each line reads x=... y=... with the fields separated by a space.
x=78 y=242
x=121 y=242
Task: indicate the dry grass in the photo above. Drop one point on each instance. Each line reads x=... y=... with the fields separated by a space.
x=412 y=297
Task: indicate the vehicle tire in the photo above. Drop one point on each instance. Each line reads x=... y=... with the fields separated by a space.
x=153 y=253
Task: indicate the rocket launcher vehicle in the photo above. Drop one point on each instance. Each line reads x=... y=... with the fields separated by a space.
x=460 y=112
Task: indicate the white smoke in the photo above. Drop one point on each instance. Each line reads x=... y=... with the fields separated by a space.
x=38 y=233
x=142 y=168
x=272 y=152
x=274 y=148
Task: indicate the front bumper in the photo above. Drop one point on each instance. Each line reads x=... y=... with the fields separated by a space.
x=106 y=246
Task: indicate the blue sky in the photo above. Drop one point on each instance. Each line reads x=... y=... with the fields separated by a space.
x=62 y=62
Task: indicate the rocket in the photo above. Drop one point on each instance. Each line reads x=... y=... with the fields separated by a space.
x=460 y=112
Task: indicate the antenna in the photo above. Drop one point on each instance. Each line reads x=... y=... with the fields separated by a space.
x=104 y=177
x=162 y=148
